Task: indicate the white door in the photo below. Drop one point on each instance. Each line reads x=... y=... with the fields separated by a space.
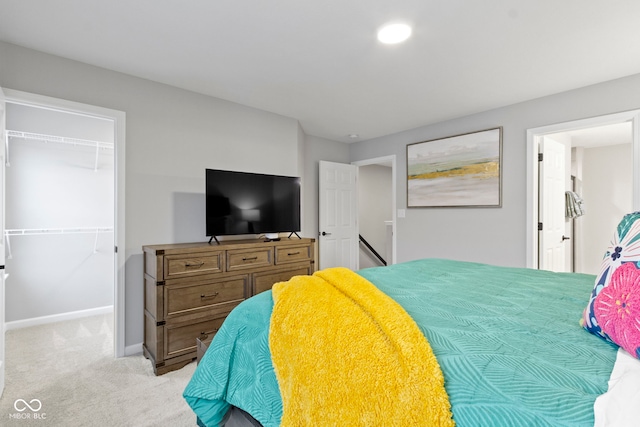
x=3 y=138
x=552 y=206
x=338 y=216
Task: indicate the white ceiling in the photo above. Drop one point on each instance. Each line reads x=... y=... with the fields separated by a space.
x=319 y=62
x=620 y=133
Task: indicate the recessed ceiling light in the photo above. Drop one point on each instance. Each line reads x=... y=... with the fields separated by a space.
x=394 y=33
x=353 y=136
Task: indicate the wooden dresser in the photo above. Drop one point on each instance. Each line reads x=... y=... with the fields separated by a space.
x=190 y=288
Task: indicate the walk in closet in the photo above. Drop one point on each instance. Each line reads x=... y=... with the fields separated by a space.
x=59 y=214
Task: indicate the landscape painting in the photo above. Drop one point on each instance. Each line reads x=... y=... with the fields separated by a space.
x=457 y=171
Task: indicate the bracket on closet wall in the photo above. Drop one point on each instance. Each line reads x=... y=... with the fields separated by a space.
x=60 y=140
x=43 y=231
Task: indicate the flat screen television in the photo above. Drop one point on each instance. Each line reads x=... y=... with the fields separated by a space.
x=251 y=203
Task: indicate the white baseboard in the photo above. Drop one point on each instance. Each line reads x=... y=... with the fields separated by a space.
x=25 y=323
x=131 y=350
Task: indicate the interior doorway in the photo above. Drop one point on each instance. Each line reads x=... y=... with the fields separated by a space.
x=57 y=111
x=600 y=174
x=378 y=230
x=584 y=134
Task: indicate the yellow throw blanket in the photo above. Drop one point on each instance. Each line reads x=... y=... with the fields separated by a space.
x=345 y=354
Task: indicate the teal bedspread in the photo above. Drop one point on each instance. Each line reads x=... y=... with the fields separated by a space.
x=507 y=339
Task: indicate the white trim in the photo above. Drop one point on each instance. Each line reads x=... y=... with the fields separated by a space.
x=36 y=321
x=132 y=350
x=385 y=160
x=119 y=119
x=533 y=136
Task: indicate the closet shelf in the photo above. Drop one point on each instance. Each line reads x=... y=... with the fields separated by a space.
x=98 y=145
x=40 y=231
x=43 y=231
x=59 y=139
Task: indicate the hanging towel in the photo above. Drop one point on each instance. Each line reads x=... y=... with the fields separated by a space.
x=574 y=205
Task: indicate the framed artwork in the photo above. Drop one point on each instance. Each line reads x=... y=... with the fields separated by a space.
x=456 y=171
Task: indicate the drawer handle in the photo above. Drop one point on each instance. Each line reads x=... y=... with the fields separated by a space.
x=193 y=264
x=203 y=296
x=293 y=253
x=205 y=335
x=250 y=259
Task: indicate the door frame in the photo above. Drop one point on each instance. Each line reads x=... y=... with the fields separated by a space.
x=118 y=118
x=533 y=138
x=3 y=159
x=385 y=161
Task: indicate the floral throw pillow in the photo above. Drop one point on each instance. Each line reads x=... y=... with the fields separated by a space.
x=624 y=249
x=617 y=308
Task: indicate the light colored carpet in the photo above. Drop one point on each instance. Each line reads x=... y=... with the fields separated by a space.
x=69 y=366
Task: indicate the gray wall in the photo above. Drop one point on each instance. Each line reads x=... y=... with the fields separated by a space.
x=51 y=185
x=493 y=235
x=172 y=135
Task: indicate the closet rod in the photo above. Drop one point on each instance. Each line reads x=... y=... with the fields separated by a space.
x=59 y=139
x=98 y=145
x=41 y=231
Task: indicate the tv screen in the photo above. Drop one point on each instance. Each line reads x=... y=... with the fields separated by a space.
x=251 y=203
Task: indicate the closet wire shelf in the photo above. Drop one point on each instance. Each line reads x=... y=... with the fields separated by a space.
x=98 y=145
x=50 y=231
x=38 y=231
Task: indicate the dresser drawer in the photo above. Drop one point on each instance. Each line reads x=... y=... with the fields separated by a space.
x=181 y=339
x=242 y=259
x=204 y=294
x=193 y=264
x=264 y=281
x=292 y=254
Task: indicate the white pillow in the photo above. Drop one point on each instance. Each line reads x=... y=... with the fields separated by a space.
x=618 y=407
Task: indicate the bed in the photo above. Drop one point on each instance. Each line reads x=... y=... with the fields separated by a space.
x=508 y=342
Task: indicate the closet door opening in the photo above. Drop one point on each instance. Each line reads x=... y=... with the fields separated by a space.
x=60 y=215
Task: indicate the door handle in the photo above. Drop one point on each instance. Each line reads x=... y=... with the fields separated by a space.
x=324 y=233
x=565 y=238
